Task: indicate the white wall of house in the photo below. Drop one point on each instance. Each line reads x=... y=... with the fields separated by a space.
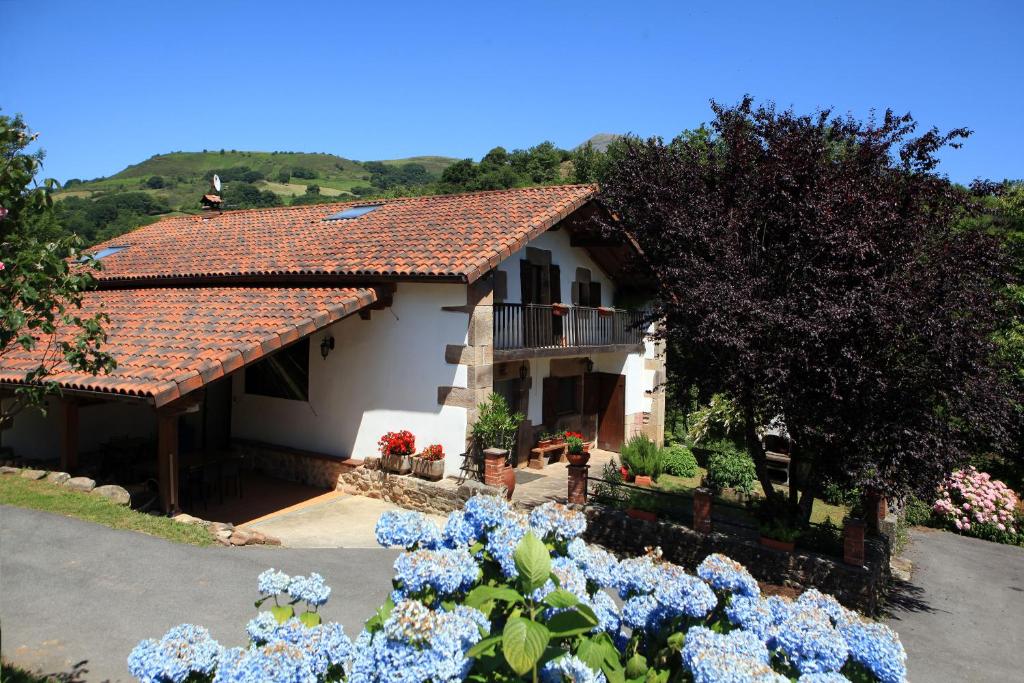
x=382 y=376
x=567 y=257
x=38 y=436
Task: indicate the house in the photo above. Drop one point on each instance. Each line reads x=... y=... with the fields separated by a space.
x=316 y=329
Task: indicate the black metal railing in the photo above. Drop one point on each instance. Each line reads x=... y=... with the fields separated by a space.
x=537 y=326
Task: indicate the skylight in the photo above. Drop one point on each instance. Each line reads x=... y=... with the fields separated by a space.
x=105 y=252
x=354 y=212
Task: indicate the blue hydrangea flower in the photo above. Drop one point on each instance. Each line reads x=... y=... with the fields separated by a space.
x=810 y=642
x=409 y=530
x=754 y=614
x=826 y=677
x=638 y=576
x=568 y=668
x=812 y=597
x=458 y=532
x=683 y=595
x=570 y=578
x=261 y=628
x=272 y=582
x=486 y=513
x=310 y=589
x=725 y=574
x=598 y=565
x=607 y=612
x=876 y=647
x=642 y=613
x=184 y=650
x=737 y=657
x=556 y=522
x=280 y=662
x=446 y=571
x=501 y=545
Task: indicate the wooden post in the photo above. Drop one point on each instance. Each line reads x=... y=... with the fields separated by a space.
x=69 y=436
x=167 y=461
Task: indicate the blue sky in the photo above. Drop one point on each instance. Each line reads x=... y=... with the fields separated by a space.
x=108 y=84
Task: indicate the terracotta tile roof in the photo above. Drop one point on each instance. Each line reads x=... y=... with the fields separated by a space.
x=170 y=341
x=457 y=236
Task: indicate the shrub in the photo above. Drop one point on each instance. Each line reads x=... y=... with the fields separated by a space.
x=678 y=460
x=917 y=512
x=975 y=504
x=501 y=595
x=496 y=425
x=719 y=419
x=729 y=467
x=642 y=457
x=835 y=493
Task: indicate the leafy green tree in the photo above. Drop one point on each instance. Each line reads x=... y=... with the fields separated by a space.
x=313 y=190
x=42 y=281
x=241 y=195
x=284 y=176
x=156 y=182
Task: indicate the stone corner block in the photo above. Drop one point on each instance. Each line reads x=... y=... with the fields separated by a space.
x=80 y=484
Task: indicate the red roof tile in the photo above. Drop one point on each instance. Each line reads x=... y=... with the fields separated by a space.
x=460 y=236
x=170 y=341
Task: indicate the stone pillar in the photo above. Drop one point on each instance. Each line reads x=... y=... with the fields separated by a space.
x=876 y=508
x=578 y=484
x=494 y=466
x=853 y=542
x=702 y=511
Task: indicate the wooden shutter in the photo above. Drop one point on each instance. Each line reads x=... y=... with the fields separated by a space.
x=526 y=282
x=556 y=296
x=595 y=294
x=549 y=401
x=500 y=286
x=591 y=393
x=545 y=284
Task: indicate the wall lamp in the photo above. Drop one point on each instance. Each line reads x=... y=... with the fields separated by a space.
x=589 y=364
x=523 y=371
x=326 y=346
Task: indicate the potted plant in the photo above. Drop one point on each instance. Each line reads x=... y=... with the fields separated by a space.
x=429 y=464
x=642 y=506
x=559 y=309
x=643 y=459
x=578 y=451
x=396 y=449
x=495 y=429
x=605 y=311
x=779 y=523
x=545 y=440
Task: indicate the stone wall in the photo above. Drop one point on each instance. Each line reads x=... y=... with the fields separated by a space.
x=312 y=469
x=861 y=588
x=438 y=498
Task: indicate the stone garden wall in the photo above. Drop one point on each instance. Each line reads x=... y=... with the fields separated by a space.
x=861 y=588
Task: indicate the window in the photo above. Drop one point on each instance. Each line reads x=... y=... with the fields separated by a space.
x=354 y=212
x=566 y=396
x=585 y=292
x=284 y=374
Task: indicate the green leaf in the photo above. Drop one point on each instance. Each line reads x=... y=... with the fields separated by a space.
x=676 y=640
x=484 y=647
x=282 y=613
x=636 y=666
x=523 y=643
x=561 y=599
x=310 y=619
x=482 y=594
x=574 y=623
x=532 y=561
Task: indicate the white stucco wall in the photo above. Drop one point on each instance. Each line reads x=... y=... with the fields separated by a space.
x=382 y=376
x=37 y=436
x=567 y=258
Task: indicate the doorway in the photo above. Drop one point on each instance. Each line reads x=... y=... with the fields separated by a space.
x=610 y=399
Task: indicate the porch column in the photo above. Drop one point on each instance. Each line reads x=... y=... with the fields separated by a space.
x=69 y=436
x=167 y=461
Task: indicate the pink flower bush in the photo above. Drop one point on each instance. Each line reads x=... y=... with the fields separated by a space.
x=970 y=498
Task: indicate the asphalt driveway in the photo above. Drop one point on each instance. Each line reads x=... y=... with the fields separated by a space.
x=961 y=616
x=72 y=591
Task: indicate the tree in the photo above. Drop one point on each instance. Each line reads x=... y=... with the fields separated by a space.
x=815 y=268
x=155 y=182
x=313 y=190
x=42 y=281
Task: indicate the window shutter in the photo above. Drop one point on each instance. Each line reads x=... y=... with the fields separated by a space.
x=549 y=401
x=526 y=282
x=500 y=286
x=574 y=293
x=545 y=284
x=556 y=284
x=591 y=389
x=595 y=294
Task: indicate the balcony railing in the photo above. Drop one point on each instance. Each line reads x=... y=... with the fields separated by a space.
x=535 y=326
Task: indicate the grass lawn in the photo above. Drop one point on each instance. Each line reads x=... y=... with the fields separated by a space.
x=10 y=673
x=41 y=495
x=819 y=513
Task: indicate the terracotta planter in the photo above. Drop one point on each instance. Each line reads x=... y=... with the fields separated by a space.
x=642 y=480
x=559 y=309
x=775 y=544
x=544 y=443
x=605 y=312
x=431 y=470
x=398 y=464
x=627 y=476
x=508 y=477
x=579 y=458
x=645 y=515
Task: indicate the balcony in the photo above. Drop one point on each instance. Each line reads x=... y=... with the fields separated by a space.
x=537 y=330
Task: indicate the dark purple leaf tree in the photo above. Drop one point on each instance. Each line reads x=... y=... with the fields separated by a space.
x=814 y=268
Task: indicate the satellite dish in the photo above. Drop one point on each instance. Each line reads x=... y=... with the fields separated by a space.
x=216 y=182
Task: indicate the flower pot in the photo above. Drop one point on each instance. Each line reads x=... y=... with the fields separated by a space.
x=579 y=458
x=645 y=515
x=605 y=312
x=544 y=443
x=642 y=480
x=627 y=476
x=432 y=470
x=559 y=309
x=775 y=544
x=398 y=464
x=508 y=477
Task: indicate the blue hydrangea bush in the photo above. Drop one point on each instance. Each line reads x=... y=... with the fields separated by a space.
x=499 y=595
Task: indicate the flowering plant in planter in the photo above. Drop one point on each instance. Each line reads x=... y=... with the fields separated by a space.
x=432 y=453
x=502 y=595
x=397 y=443
x=574 y=442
